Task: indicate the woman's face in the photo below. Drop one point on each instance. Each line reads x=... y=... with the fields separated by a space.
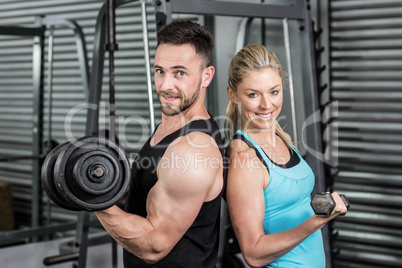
x=259 y=98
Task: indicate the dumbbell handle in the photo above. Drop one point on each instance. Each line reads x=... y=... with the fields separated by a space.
x=324 y=204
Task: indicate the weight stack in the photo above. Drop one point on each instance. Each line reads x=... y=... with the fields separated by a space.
x=6 y=208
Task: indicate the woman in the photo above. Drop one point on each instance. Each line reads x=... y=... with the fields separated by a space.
x=269 y=184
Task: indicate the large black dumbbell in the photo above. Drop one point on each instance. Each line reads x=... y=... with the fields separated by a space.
x=324 y=204
x=91 y=173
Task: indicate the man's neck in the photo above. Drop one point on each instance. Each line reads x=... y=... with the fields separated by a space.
x=172 y=123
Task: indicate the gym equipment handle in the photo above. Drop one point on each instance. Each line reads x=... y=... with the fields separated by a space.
x=52 y=260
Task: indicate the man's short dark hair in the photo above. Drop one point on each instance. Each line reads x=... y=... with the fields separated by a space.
x=183 y=32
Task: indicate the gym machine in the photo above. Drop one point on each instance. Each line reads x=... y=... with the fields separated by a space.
x=43 y=143
x=164 y=10
x=298 y=12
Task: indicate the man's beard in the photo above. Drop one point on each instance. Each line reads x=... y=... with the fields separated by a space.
x=170 y=110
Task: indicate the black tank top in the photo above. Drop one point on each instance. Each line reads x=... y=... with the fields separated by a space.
x=199 y=245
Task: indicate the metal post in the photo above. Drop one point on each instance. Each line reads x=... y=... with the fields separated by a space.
x=49 y=101
x=241 y=34
x=111 y=46
x=290 y=75
x=312 y=107
x=114 y=253
x=95 y=79
x=81 y=46
x=263 y=30
x=82 y=238
x=147 y=64
x=37 y=127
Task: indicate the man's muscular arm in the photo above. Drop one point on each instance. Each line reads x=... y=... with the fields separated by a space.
x=188 y=175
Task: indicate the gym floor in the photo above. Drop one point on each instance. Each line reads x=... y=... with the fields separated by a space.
x=32 y=255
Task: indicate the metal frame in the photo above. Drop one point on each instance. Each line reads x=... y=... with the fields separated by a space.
x=223 y=8
x=96 y=77
x=80 y=43
x=82 y=56
x=38 y=34
x=21 y=31
x=164 y=10
x=164 y=15
x=83 y=221
x=23 y=235
x=37 y=127
x=299 y=12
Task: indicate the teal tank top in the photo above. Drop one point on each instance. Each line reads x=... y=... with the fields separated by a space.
x=287 y=204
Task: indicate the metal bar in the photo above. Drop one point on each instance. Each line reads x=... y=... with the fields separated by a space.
x=37 y=124
x=290 y=75
x=263 y=29
x=147 y=64
x=82 y=58
x=21 y=31
x=49 y=121
x=312 y=106
x=111 y=46
x=95 y=79
x=10 y=236
x=247 y=31
x=114 y=254
x=62 y=258
x=223 y=8
x=69 y=253
x=241 y=34
x=222 y=233
x=82 y=237
x=50 y=82
x=12 y=158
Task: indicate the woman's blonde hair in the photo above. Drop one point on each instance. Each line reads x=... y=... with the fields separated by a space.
x=252 y=57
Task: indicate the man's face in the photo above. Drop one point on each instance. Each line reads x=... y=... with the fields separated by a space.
x=178 y=71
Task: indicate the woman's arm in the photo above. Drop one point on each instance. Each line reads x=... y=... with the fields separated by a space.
x=246 y=205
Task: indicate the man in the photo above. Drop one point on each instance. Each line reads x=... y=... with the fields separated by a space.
x=171 y=218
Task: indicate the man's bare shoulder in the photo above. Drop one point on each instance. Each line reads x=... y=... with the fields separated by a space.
x=195 y=142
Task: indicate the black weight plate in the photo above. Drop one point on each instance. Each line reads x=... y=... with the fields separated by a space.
x=121 y=174
x=64 y=172
x=91 y=184
x=48 y=180
x=123 y=179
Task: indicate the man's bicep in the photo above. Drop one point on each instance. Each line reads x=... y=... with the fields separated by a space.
x=173 y=200
x=176 y=199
